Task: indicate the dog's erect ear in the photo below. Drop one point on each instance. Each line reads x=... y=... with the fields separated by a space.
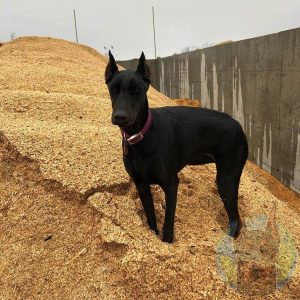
x=143 y=69
x=111 y=69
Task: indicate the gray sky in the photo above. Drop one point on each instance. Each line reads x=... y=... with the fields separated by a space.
x=127 y=24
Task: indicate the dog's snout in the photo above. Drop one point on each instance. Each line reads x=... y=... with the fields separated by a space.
x=120 y=118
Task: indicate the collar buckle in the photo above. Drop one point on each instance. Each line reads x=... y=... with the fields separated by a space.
x=135 y=138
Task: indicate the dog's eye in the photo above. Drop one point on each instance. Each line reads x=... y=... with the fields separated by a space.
x=137 y=91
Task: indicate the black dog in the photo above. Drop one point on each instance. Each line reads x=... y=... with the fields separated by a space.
x=158 y=143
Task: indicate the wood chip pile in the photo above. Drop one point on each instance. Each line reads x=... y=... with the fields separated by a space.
x=71 y=224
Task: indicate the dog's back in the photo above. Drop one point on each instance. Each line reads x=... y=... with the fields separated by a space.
x=199 y=131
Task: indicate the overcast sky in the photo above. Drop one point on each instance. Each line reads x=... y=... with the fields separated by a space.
x=127 y=24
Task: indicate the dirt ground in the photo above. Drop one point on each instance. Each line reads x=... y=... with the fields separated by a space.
x=71 y=224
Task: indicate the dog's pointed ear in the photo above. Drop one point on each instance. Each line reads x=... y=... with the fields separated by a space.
x=143 y=69
x=111 y=69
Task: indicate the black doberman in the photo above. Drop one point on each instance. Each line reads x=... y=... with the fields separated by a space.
x=158 y=143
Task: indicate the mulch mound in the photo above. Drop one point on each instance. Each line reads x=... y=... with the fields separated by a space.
x=72 y=226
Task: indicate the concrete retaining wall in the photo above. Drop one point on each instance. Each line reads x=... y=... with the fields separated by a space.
x=257 y=81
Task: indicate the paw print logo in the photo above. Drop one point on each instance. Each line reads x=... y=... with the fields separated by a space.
x=261 y=260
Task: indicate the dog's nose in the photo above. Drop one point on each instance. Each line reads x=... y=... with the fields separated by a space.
x=120 y=118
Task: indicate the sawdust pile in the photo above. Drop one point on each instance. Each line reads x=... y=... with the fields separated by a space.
x=187 y=102
x=71 y=224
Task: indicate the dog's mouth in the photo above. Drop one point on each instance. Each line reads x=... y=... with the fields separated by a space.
x=122 y=124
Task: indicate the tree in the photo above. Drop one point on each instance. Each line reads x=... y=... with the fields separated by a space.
x=189 y=49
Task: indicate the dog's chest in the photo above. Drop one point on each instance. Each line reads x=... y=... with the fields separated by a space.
x=142 y=166
x=148 y=170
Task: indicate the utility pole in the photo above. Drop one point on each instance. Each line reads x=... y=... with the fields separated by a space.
x=12 y=36
x=154 y=31
x=75 y=26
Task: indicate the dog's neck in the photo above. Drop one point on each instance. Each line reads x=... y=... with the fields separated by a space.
x=140 y=121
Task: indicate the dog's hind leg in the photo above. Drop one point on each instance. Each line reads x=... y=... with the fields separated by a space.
x=170 y=188
x=228 y=179
x=147 y=202
x=228 y=190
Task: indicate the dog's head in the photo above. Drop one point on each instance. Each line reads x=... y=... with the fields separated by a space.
x=127 y=90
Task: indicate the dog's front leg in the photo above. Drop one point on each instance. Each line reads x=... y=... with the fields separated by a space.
x=147 y=202
x=170 y=190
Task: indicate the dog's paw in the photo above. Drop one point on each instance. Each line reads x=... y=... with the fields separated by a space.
x=235 y=228
x=156 y=231
x=168 y=239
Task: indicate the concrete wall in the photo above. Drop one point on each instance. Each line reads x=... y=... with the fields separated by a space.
x=257 y=81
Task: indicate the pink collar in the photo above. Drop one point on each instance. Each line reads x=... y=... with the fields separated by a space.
x=133 y=139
